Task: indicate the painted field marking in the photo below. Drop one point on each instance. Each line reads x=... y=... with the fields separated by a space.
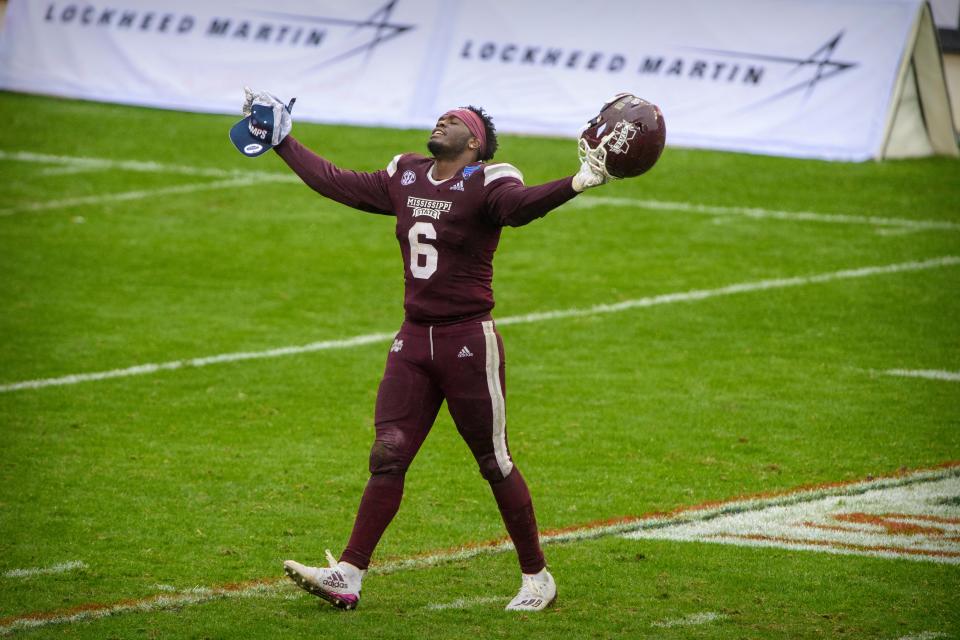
x=159 y=602
x=929 y=374
x=693 y=619
x=914 y=522
x=896 y=231
x=355 y=341
x=759 y=213
x=886 y=225
x=619 y=526
x=73 y=565
x=126 y=196
x=924 y=635
x=70 y=170
x=467 y=603
x=78 y=164
x=145 y=369
x=103 y=164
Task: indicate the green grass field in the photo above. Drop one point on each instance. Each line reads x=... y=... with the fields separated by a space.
x=212 y=474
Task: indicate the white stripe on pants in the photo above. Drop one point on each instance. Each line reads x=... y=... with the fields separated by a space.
x=496 y=398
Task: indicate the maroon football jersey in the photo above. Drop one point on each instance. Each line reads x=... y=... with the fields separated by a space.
x=448 y=230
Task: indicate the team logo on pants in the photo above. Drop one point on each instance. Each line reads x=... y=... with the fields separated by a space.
x=397 y=345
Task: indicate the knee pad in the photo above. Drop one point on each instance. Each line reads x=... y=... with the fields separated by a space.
x=387 y=457
x=490 y=469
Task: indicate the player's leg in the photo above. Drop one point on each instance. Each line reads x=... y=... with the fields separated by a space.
x=407 y=405
x=475 y=388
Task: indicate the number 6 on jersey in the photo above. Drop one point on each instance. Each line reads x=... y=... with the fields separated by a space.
x=418 y=249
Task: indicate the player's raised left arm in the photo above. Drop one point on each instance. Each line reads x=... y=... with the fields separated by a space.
x=512 y=204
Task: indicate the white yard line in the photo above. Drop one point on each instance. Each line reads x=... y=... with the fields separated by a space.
x=144 y=369
x=467 y=603
x=693 y=619
x=697 y=513
x=894 y=231
x=355 y=341
x=161 y=602
x=743 y=287
x=81 y=162
x=886 y=225
x=924 y=635
x=756 y=212
x=63 y=567
x=929 y=374
x=130 y=195
x=70 y=169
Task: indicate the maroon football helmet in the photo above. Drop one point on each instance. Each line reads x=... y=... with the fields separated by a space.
x=626 y=137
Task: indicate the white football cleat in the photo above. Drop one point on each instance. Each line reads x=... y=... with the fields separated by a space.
x=537 y=592
x=339 y=584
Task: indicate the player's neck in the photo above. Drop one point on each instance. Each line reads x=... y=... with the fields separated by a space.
x=446 y=168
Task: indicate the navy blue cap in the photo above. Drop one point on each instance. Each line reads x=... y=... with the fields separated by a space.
x=253 y=134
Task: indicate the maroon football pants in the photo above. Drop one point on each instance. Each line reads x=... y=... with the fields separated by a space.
x=462 y=364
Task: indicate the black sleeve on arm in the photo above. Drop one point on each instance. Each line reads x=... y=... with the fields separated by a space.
x=364 y=191
x=512 y=204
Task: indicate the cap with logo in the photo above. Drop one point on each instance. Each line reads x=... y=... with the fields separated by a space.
x=253 y=135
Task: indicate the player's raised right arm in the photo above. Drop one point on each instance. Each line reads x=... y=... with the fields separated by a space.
x=267 y=125
x=360 y=190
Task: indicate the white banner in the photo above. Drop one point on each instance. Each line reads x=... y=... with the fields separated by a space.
x=350 y=62
x=810 y=78
x=801 y=78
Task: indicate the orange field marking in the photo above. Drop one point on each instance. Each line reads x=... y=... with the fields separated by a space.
x=595 y=529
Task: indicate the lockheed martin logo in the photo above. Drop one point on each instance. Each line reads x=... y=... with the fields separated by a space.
x=810 y=71
x=786 y=74
x=337 y=38
x=356 y=36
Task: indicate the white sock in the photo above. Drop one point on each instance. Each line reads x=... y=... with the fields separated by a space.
x=350 y=571
x=540 y=576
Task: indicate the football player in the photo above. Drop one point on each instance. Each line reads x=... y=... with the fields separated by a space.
x=449 y=209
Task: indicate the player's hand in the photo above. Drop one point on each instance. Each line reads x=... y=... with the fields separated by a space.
x=593 y=167
x=587 y=177
x=283 y=123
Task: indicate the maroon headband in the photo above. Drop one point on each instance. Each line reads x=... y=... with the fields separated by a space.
x=474 y=124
